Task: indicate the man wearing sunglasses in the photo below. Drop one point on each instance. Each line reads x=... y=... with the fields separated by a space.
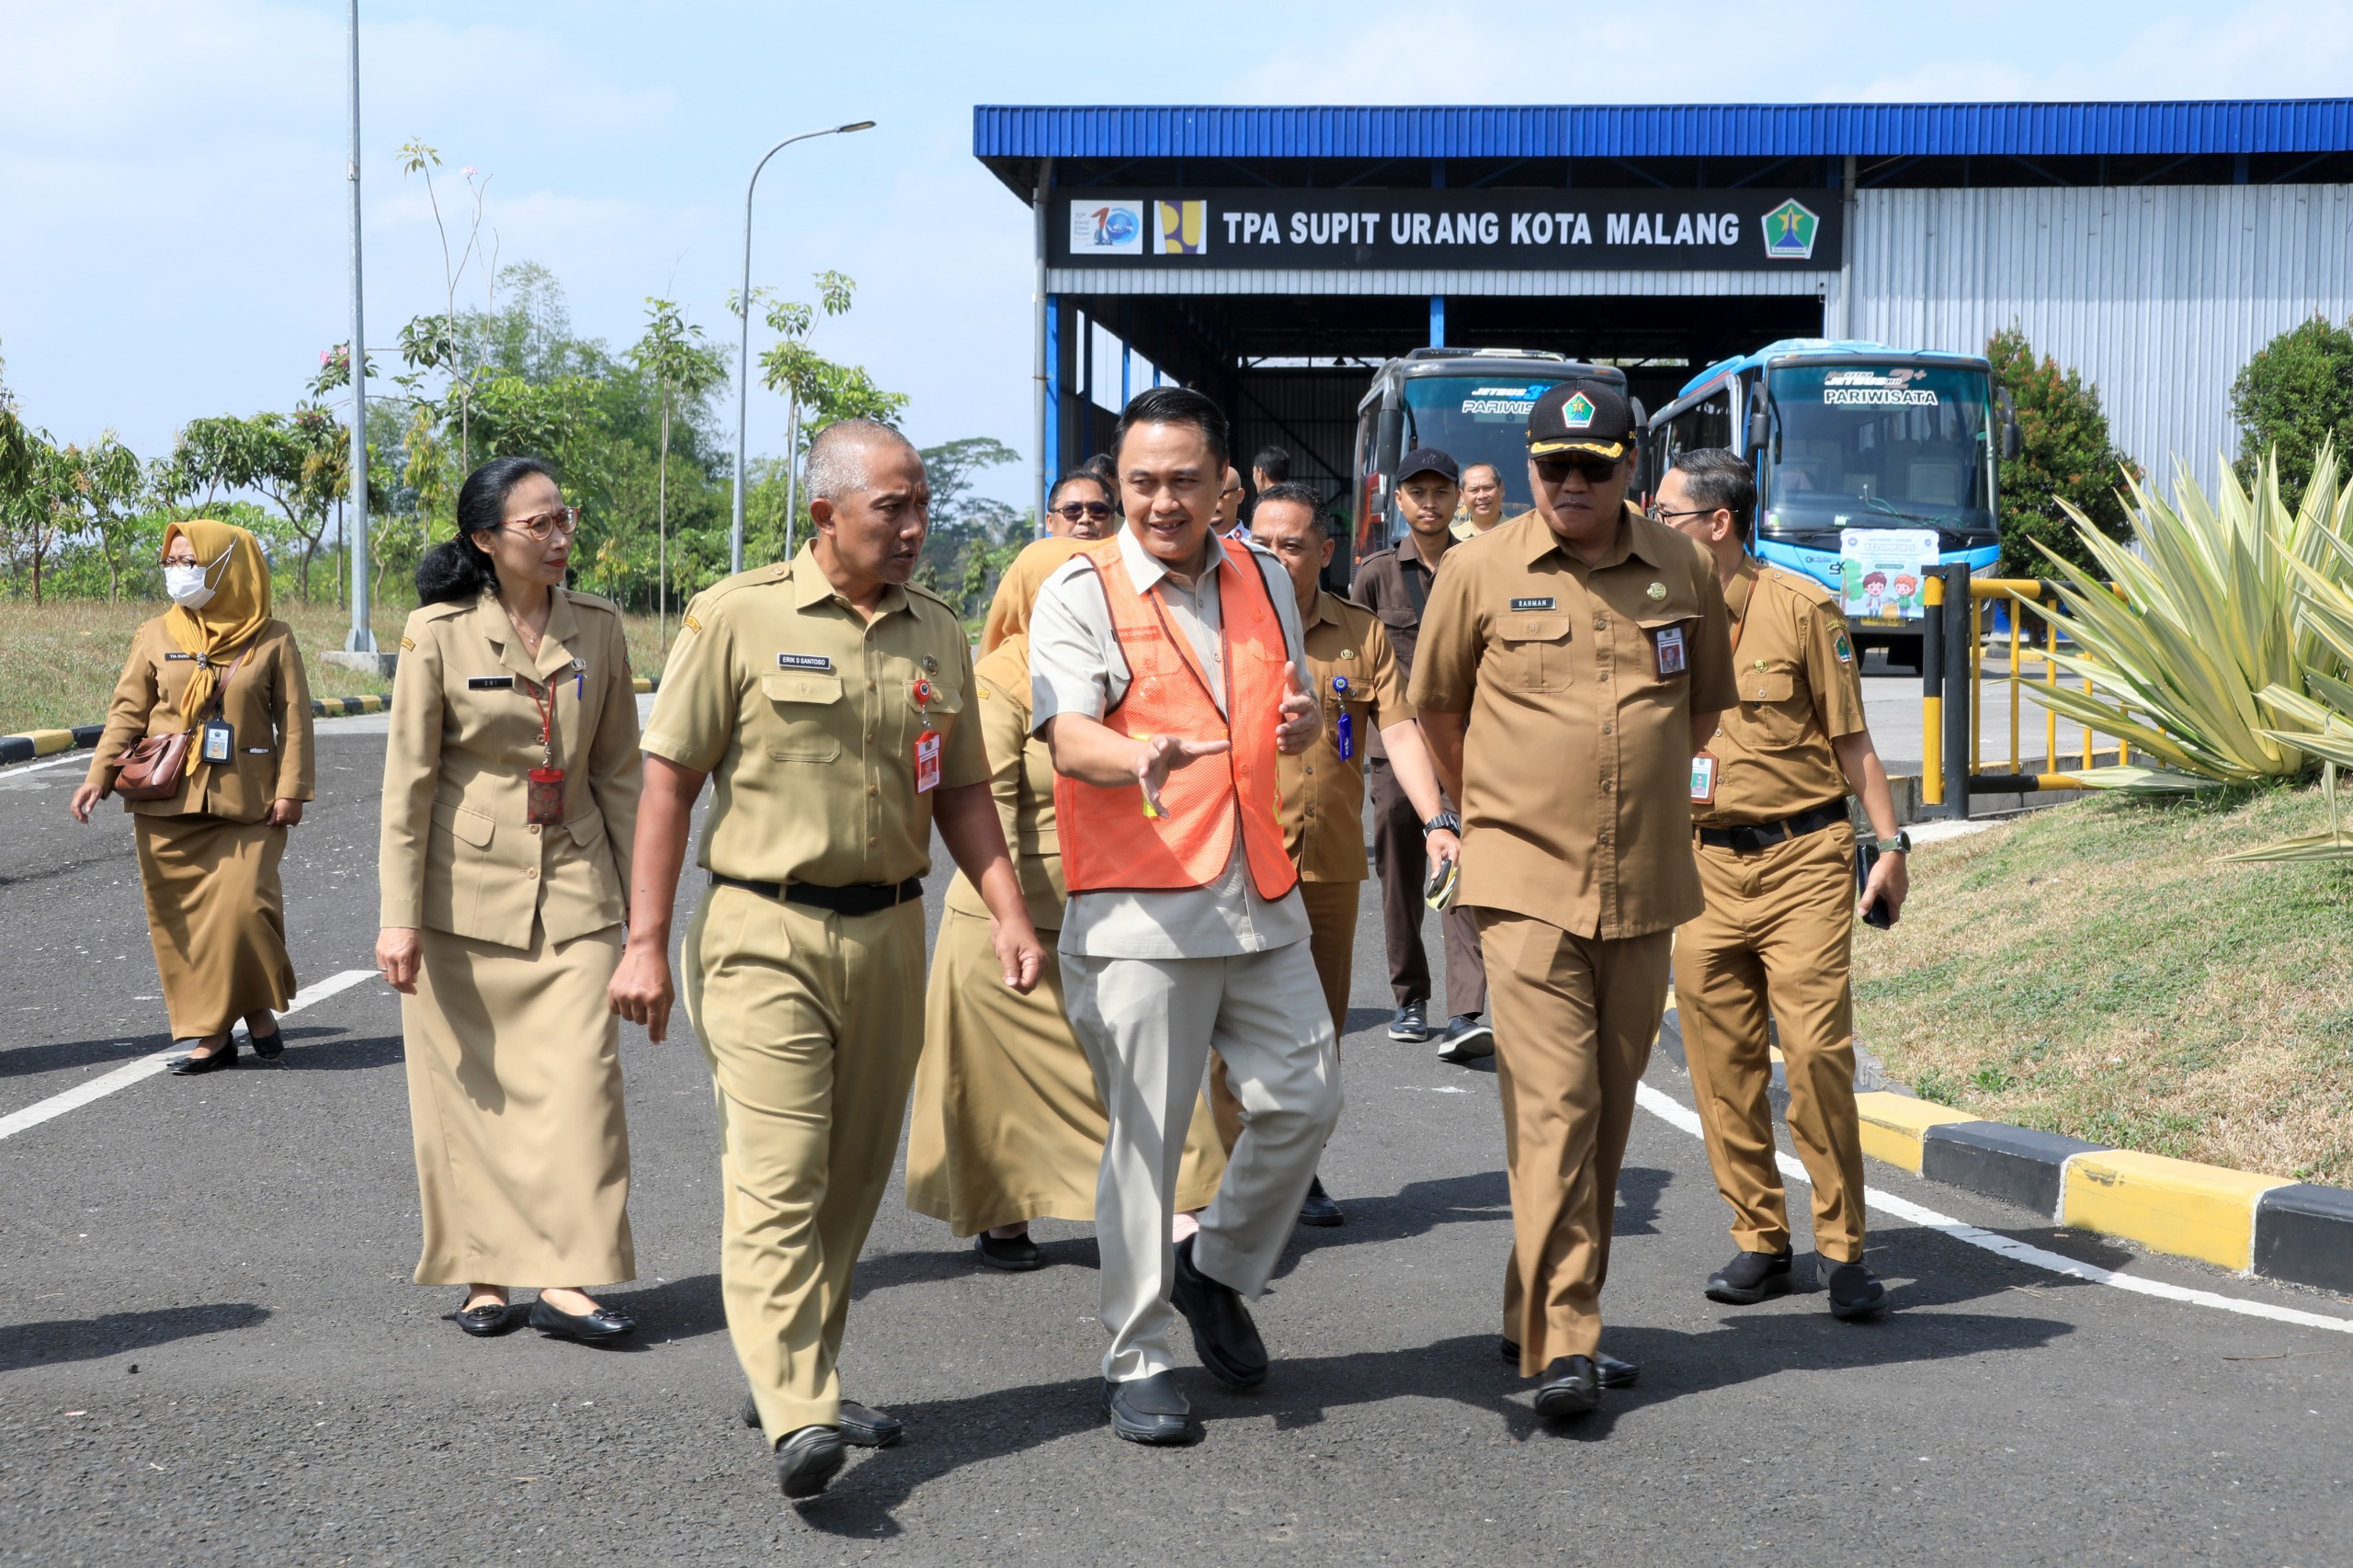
x=1570 y=663
x=1080 y=507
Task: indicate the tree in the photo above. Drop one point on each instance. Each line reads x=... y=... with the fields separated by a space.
x=2066 y=460
x=435 y=342
x=831 y=391
x=106 y=484
x=973 y=537
x=2294 y=395
x=674 y=352
x=34 y=514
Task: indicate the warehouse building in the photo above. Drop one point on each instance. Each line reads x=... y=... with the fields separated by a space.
x=1273 y=256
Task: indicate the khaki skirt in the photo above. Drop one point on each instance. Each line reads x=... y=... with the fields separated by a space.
x=515 y=1101
x=217 y=916
x=1008 y=1125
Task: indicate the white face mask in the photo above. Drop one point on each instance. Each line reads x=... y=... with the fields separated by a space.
x=187 y=585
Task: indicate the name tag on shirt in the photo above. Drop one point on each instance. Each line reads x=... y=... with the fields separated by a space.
x=179 y=656
x=1543 y=603
x=803 y=662
x=1669 y=643
x=927 y=762
x=489 y=683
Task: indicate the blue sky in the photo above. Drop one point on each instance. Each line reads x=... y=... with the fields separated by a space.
x=172 y=193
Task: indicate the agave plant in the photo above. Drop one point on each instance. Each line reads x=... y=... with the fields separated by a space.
x=2190 y=656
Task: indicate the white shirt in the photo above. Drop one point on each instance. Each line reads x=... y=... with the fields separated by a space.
x=1076 y=666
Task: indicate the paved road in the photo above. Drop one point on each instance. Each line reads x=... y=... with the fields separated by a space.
x=245 y=1244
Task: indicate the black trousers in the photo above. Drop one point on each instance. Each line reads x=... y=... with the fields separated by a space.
x=1399 y=857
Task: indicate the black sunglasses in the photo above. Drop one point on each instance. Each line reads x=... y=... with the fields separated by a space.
x=1595 y=470
x=1072 y=511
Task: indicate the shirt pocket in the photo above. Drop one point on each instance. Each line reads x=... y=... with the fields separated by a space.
x=1530 y=652
x=809 y=713
x=1669 y=665
x=1776 y=701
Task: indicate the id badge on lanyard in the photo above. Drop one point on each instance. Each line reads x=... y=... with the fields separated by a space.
x=218 y=742
x=927 y=743
x=1703 y=778
x=543 y=791
x=1344 y=728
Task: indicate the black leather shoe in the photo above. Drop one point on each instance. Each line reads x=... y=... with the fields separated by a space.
x=1749 y=1278
x=1571 y=1387
x=483 y=1322
x=1410 y=1023
x=1318 y=1207
x=863 y=1427
x=191 y=1064
x=1611 y=1373
x=1015 y=1254
x=1224 y=1335
x=270 y=1047
x=589 y=1328
x=1150 y=1410
x=1855 y=1291
x=1465 y=1039
x=807 y=1460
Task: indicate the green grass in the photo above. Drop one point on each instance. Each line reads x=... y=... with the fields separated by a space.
x=2092 y=969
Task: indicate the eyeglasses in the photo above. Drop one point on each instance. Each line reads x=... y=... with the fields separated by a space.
x=564 y=520
x=1657 y=516
x=1595 y=471
x=1074 y=510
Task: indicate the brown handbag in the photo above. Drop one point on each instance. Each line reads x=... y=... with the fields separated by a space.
x=151 y=768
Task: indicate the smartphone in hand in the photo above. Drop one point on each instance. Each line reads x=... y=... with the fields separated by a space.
x=1866 y=857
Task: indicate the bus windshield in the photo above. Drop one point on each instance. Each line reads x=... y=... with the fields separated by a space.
x=1894 y=446
x=1476 y=419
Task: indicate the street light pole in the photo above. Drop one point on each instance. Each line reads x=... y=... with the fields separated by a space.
x=744 y=339
x=361 y=638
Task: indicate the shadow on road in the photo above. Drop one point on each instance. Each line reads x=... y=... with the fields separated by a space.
x=23 y=1060
x=60 y=1340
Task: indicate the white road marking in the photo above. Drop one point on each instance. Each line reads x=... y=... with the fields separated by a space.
x=82 y=756
x=1668 y=1111
x=148 y=1066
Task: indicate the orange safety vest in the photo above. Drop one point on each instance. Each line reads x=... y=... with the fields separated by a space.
x=1108 y=842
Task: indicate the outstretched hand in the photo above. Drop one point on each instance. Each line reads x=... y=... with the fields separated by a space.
x=1159 y=756
x=1302 y=721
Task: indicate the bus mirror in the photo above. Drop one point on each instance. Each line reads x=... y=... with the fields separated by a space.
x=1759 y=427
x=2013 y=441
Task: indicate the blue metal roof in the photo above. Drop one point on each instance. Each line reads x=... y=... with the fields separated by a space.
x=1669 y=130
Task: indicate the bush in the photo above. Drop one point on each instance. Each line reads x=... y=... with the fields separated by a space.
x=2066 y=461
x=2296 y=394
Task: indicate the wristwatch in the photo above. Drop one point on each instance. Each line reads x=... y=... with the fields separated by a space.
x=1900 y=845
x=1445 y=820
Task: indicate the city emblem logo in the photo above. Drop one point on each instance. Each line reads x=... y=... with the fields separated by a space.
x=1789 y=232
x=1577 y=412
x=1184 y=228
x=1105 y=228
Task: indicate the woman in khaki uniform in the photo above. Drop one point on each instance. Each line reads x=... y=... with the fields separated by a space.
x=510 y=805
x=209 y=854
x=1008 y=1125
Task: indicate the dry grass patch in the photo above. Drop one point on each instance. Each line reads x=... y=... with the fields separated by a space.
x=2090 y=970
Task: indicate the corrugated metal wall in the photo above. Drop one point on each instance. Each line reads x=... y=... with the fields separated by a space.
x=2156 y=293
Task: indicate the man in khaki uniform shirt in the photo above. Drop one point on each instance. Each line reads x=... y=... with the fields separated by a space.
x=1776 y=859
x=826 y=700
x=1353 y=676
x=1570 y=663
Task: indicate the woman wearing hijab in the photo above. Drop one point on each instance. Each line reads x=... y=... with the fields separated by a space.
x=1009 y=1125
x=216 y=667
x=510 y=805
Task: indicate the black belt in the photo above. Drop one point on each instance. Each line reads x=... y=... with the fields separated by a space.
x=1749 y=837
x=859 y=898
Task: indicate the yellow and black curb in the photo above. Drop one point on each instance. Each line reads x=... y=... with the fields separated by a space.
x=2266 y=1226
x=81 y=737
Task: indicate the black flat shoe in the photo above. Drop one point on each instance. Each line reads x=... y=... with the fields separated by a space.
x=188 y=1066
x=863 y=1427
x=483 y=1322
x=1224 y=1335
x=1855 y=1291
x=1015 y=1254
x=1611 y=1373
x=1749 y=1278
x=1571 y=1387
x=588 y=1328
x=1152 y=1410
x=807 y=1461
x=1318 y=1207
x=269 y=1047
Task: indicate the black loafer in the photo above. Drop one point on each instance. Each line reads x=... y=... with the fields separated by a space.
x=1226 y=1339
x=1410 y=1023
x=1015 y=1254
x=863 y=1427
x=486 y=1321
x=589 y=1328
x=1465 y=1039
x=1749 y=1278
x=1611 y=1373
x=188 y=1066
x=1151 y=1410
x=1318 y=1209
x=1571 y=1387
x=807 y=1461
x=1855 y=1291
x=269 y=1047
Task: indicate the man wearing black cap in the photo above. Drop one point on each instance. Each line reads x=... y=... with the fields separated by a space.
x=1572 y=662
x=1394 y=585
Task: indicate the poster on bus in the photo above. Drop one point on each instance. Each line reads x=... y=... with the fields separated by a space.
x=1881 y=570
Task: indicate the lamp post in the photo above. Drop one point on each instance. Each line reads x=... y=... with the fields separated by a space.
x=361 y=638
x=744 y=340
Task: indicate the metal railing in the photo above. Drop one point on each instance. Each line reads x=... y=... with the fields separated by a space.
x=1952 y=660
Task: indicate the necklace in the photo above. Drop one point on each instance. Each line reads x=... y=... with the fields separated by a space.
x=530 y=638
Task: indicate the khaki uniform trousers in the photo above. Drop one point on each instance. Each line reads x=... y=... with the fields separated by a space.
x=812 y=1023
x=1399 y=856
x=1575 y=1021
x=1774 y=948
x=1332 y=943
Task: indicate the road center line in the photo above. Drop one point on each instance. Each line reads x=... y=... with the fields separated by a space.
x=148 y=1066
x=1668 y=1111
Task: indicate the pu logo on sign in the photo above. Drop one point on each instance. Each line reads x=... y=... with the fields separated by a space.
x=1106 y=227
x=1789 y=232
x=1184 y=227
